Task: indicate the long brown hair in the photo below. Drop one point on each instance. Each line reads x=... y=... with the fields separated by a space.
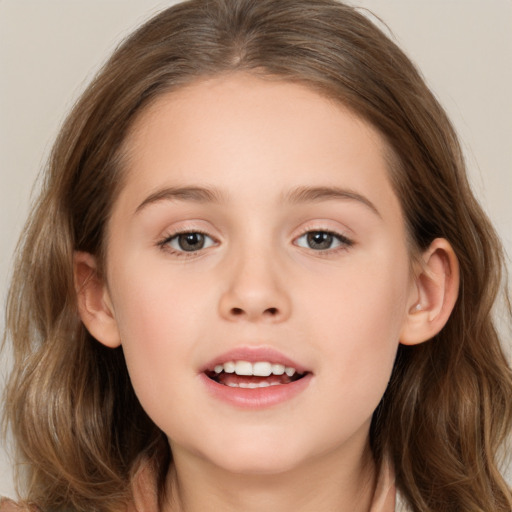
x=78 y=426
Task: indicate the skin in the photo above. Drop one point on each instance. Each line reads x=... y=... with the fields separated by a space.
x=340 y=312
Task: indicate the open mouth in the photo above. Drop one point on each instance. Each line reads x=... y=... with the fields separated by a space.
x=261 y=374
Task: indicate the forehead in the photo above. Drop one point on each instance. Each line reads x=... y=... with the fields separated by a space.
x=209 y=99
x=239 y=129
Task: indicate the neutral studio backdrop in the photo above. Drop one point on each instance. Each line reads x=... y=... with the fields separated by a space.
x=50 y=49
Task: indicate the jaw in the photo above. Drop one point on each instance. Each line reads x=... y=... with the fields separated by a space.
x=277 y=478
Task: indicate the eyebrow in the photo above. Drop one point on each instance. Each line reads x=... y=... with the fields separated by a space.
x=295 y=196
x=314 y=194
x=194 y=194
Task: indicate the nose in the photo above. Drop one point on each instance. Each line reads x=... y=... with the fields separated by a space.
x=255 y=291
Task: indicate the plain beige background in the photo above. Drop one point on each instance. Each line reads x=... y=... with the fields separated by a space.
x=49 y=50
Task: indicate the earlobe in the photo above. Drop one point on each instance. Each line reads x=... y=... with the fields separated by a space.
x=94 y=304
x=435 y=295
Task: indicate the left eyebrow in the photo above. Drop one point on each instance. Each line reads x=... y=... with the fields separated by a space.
x=314 y=194
x=194 y=194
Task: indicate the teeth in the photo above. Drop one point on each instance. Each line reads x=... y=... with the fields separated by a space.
x=243 y=368
x=289 y=371
x=259 y=369
x=252 y=385
x=277 y=369
x=262 y=369
x=229 y=367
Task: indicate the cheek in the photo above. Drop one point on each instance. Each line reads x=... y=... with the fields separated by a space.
x=157 y=319
x=367 y=295
x=360 y=318
x=153 y=303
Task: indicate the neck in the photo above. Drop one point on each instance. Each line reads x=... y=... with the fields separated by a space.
x=327 y=483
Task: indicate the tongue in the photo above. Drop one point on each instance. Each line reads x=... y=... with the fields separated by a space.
x=233 y=378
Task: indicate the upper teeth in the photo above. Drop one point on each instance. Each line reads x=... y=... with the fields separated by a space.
x=259 y=369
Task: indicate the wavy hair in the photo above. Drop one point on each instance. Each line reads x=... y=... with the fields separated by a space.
x=78 y=427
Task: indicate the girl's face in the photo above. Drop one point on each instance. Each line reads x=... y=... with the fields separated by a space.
x=257 y=223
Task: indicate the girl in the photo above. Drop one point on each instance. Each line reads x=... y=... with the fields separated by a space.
x=257 y=279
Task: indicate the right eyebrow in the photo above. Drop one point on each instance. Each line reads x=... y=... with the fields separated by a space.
x=194 y=194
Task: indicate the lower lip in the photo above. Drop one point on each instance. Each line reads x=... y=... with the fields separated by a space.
x=257 y=398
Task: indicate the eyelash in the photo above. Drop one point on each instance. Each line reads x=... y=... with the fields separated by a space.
x=344 y=242
x=164 y=243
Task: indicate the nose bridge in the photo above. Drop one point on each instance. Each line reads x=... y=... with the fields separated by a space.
x=255 y=285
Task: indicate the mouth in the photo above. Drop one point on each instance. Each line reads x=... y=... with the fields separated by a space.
x=253 y=375
x=255 y=378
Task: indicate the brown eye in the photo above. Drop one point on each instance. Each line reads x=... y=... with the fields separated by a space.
x=322 y=240
x=189 y=242
x=319 y=240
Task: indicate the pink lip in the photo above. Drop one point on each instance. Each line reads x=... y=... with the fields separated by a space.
x=257 y=398
x=253 y=355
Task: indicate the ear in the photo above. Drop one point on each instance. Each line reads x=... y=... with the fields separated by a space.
x=94 y=304
x=435 y=293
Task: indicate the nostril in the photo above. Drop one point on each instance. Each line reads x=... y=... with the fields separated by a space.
x=268 y=311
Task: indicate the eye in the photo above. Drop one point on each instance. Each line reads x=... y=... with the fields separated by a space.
x=322 y=240
x=188 y=242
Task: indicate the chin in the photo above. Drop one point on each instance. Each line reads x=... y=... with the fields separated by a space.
x=256 y=459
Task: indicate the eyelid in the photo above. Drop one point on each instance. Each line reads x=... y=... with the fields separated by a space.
x=178 y=235
x=163 y=241
x=346 y=240
x=326 y=225
x=341 y=238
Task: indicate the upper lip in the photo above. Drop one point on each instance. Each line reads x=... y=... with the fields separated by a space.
x=254 y=354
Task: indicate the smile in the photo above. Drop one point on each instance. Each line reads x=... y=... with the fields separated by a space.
x=247 y=375
x=255 y=377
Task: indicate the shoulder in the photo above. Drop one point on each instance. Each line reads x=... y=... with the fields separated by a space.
x=7 y=505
